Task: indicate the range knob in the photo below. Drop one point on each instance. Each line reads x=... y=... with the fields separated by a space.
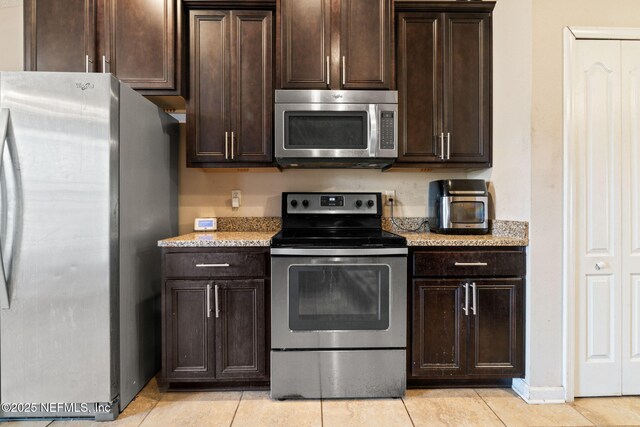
x=294 y=203
x=370 y=203
x=305 y=203
x=358 y=203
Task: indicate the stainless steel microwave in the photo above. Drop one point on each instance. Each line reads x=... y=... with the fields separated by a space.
x=458 y=206
x=336 y=128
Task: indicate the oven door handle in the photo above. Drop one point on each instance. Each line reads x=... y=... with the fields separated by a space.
x=339 y=252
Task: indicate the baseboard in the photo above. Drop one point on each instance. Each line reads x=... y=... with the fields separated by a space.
x=537 y=395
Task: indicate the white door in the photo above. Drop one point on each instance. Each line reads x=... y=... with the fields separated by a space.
x=630 y=54
x=606 y=130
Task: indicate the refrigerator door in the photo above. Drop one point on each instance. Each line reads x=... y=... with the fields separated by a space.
x=59 y=232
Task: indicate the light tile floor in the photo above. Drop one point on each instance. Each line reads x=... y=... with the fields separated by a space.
x=442 y=407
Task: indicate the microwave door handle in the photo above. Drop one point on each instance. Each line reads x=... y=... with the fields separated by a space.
x=373 y=130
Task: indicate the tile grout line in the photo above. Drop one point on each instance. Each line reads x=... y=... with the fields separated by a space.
x=490 y=408
x=321 y=414
x=237 y=406
x=575 y=408
x=147 y=414
x=408 y=413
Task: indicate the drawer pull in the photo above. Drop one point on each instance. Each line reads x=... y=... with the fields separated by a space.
x=212 y=265
x=470 y=264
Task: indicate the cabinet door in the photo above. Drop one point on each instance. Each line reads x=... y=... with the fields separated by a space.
x=467 y=87
x=208 y=112
x=240 y=329
x=419 y=65
x=59 y=35
x=496 y=331
x=251 y=86
x=141 y=50
x=439 y=329
x=365 y=44
x=305 y=44
x=189 y=330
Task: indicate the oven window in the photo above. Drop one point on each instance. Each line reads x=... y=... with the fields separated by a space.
x=338 y=297
x=467 y=212
x=325 y=130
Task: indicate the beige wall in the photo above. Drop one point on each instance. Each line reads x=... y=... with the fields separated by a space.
x=549 y=19
x=206 y=193
x=11 y=35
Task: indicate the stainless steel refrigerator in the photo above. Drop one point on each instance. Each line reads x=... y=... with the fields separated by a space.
x=88 y=185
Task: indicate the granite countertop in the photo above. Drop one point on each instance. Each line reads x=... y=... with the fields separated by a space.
x=240 y=232
x=433 y=239
x=219 y=239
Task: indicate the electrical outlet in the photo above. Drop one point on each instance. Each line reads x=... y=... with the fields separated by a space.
x=390 y=194
x=236 y=198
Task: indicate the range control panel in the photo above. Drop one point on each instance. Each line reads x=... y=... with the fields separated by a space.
x=332 y=203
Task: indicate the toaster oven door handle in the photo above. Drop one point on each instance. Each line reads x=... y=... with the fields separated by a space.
x=470 y=264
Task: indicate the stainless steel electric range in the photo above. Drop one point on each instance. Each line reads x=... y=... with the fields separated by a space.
x=338 y=299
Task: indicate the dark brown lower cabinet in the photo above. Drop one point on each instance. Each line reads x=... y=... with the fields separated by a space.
x=215 y=318
x=464 y=325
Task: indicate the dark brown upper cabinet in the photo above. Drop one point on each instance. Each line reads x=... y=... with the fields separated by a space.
x=444 y=73
x=334 y=44
x=230 y=111
x=136 y=40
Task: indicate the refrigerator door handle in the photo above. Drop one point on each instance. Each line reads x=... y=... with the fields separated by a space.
x=4 y=130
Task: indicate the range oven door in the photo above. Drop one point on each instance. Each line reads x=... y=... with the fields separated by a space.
x=324 y=298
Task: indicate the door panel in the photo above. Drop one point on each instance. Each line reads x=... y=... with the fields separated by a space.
x=419 y=89
x=59 y=34
x=597 y=144
x=305 y=37
x=149 y=63
x=467 y=86
x=251 y=85
x=240 y=330
x=208 y=105
x=189 y=329
x=439 y=329
x=630 y=84
x=496 y=327
x=365 y=44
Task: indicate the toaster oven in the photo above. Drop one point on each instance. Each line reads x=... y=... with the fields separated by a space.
x=458 y=206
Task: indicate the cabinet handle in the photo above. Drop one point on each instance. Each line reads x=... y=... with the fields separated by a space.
x=448 y=145
x=208 y=299
x=217 y=306
x=328 y=72
x=232 y=135
x=465 y=307
x=344 y=70
x=86 y=63
x=212 y=265
x=226 y=145
x=104 y=63
x=470 y=264
x=473 y=298
x=442 y=145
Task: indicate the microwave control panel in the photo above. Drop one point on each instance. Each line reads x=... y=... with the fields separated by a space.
x=387 y=130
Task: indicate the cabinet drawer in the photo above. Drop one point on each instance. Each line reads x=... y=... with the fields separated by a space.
x=215 y=264
x=468 y=263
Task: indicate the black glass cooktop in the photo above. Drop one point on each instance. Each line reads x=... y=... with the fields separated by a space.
x=326 y=237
